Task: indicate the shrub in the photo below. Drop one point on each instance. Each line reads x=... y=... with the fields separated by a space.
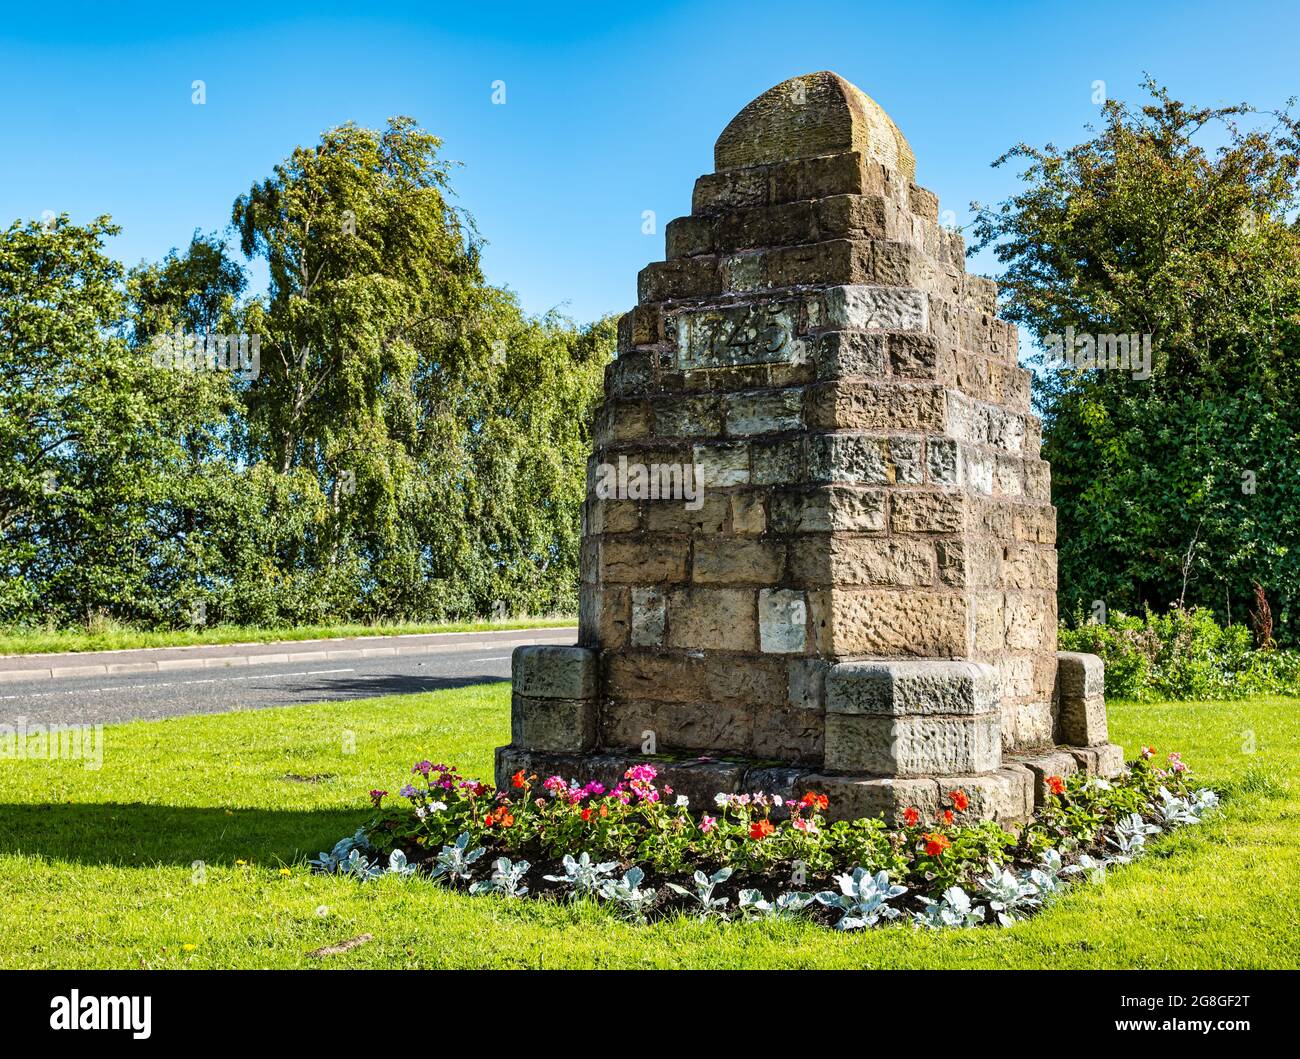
x=1184 y=654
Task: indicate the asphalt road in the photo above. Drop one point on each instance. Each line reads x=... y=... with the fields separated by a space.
x=107 y=699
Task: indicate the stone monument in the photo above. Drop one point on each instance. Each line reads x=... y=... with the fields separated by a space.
x=818 y=543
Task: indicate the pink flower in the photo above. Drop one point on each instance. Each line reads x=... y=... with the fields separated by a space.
x=1176 y=762
x=554 y=784
x=708 y=823
x=1148 y=752
x=377 y=796
x=645 y=773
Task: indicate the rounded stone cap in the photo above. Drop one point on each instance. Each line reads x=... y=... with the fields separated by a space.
x=815 y=114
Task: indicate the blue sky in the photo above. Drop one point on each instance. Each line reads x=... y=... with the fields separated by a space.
x=610 y=110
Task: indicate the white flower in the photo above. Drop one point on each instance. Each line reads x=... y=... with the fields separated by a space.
x=682 y=801
x=438 y=807
x=720 y=799
x=777 y=800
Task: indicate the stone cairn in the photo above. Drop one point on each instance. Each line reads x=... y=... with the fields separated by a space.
x=860 y=596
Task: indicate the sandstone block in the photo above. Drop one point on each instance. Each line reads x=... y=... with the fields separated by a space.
x=633 y=559
x=890 y=624
x=829 y=509
x=550 y=671
x=807 y=683
x=893 y=562
x=1005 y=796
x=553 y=724
x=854 y=798
x=913 y=745
x=765 y=413
x=928 y=512
x=906 y=688
x=1080 y=675
x=728 y=560
x=847 y=458
x=747 y=514
x=782 y=621
x=647 y=617
x=850 y=353
x=725 y=619
x=1081 y=701
x=722 y=465
x=863 y=307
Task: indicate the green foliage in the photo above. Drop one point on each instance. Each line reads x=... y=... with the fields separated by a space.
x=412 y=447
x=1183 y=654
x=1172 y=221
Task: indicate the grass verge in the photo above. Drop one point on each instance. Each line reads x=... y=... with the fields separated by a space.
x=113 y=638
x=188 y=848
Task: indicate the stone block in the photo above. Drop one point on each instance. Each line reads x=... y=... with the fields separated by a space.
x=913 y=745
x=645 y=558
x=854 y=798
x=647 y=617
x=728 y=560
x=908 y=688
x=792 y=736
x=875 y=406
x=892 y=624
x=692 y=677
x=550 y=671
x=765 y=413
x=861 y=307
x=688 y=416
x=553 y=724
x=847 y=458
x=829 y=509
x=782 y=621
x=748 y=517
x=722 y=465
x=1079 y=675
x=1045 y=765
x=1005 y=796
x=928 y=512
x=724 y=619
x=777 y=462
x=841 y=354
x=807 y=683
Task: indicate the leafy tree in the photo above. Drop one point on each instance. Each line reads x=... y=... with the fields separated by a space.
x=1172 y=221
x=411 y=446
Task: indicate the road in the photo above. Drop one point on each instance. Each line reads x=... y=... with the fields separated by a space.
x=111 y=697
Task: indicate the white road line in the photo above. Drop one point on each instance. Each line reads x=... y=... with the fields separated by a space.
x=175 y=684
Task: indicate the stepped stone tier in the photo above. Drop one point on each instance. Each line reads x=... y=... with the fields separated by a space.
x=859 y=596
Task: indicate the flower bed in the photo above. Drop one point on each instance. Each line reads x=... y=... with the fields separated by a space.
x=645 y=852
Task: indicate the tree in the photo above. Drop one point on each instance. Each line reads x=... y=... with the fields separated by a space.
x=1185 y=486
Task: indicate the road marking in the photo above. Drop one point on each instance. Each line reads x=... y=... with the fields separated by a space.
x=175 y=684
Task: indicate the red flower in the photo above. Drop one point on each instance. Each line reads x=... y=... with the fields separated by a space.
x=517 y=780
x=911 y=817
x=1055 y=784
x=815 y=801
x=502 y=816
x=935 y=844
x=760 y=829
x=947 y=816
x=586 y=814
x=960 y=801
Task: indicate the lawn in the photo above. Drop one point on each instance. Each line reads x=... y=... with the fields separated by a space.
x=21 y=641
x=188 y=849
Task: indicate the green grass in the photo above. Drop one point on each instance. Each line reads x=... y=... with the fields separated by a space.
x=115 y=638
x=97 y=867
